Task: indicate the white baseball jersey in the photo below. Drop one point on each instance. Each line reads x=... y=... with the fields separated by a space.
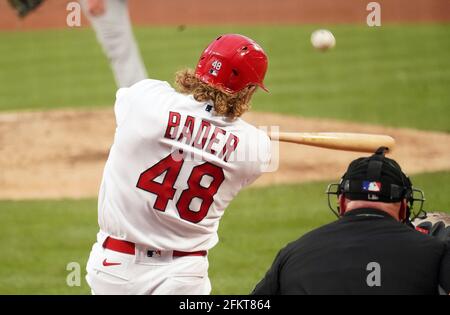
x=174 y=167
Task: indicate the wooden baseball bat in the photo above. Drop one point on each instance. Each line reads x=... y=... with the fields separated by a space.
x=358 y=142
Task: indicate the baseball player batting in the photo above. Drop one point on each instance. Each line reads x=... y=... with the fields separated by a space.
x=178 y=159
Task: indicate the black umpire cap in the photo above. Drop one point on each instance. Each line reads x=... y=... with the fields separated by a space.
x=380 y=179
x=375 y=178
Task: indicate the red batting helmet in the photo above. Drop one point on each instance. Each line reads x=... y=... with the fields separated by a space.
x=231 y=63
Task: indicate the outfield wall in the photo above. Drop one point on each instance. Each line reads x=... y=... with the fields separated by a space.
x=52 y=14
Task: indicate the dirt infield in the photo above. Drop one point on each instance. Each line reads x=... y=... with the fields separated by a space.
x=58 y=154
x=52 y=14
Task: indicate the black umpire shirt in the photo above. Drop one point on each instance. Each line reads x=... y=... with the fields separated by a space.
x=365 y=252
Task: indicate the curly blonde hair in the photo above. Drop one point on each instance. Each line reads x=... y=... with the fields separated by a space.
x=225 y=104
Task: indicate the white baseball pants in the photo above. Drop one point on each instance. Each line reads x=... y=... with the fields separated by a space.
x=111 y=272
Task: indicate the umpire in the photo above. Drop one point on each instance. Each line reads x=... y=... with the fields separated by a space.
x=371 y=249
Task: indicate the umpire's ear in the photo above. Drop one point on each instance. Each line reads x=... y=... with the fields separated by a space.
x=342 y=204
x=403 y=213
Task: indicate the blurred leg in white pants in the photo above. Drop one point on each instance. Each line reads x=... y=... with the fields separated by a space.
x=111 y=22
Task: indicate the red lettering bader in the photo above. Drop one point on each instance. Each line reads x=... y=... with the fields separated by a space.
x=207 y=137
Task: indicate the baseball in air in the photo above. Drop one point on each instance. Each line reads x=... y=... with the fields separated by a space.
x=323 y=40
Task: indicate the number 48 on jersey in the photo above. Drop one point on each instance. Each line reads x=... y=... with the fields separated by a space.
x=165 y=190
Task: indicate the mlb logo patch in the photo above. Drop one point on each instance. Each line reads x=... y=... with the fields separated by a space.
x=151 y=253
x=371 y=186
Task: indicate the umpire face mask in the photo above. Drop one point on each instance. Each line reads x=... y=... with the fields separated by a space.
x=377 y=179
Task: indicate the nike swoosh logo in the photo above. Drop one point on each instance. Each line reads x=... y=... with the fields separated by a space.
x=107 y=264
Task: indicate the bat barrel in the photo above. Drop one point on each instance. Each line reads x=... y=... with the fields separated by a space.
x=338 y=141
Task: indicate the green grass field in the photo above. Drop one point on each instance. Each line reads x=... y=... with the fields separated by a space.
x=39 y=238
x=396 y=75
